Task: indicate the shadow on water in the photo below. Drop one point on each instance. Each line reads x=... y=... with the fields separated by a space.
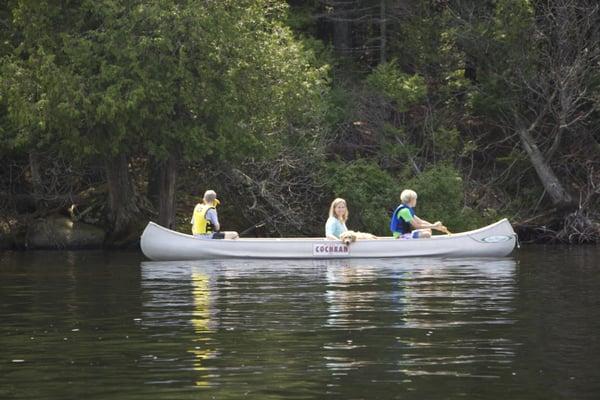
x=107 y=325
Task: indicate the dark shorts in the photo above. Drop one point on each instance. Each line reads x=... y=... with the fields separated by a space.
x=208 y=236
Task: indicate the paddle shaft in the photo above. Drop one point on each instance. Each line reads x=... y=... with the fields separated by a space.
x=259 y=225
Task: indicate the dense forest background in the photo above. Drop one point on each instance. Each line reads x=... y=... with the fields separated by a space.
x=114 y=113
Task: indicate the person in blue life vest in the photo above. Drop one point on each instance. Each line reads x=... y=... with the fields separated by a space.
x=336 y=223
x=406 y=225
x=205 y=221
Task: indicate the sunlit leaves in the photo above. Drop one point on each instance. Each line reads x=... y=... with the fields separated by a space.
x=406 y=90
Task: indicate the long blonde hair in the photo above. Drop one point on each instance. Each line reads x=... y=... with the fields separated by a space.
x=334 y=203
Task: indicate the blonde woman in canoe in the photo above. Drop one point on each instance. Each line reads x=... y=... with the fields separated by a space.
x=336 y=223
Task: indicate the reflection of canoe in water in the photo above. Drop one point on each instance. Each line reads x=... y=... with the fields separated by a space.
x=496 y=240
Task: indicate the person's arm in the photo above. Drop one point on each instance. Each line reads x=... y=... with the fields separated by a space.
x=414 y=221
x=329 y=230
x=419 y=223
x=211 y=215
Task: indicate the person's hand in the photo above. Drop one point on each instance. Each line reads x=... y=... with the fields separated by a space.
x=437 y=224
x=442 y=228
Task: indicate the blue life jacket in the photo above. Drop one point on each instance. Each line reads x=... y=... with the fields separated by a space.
x=399 y=225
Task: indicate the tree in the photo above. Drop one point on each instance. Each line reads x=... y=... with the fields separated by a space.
x=544 y=57
x=173 y=80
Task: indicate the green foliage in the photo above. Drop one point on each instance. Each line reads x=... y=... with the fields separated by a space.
x=224 y=78
x=248 y=82
x=440 y=193
x=206 y=81
x=339 y=107
x=368 y=190
x=426 y=40
x=397 y=148
x=513 y=52
x=513 y=19
x=405 y=90
x=447 y=141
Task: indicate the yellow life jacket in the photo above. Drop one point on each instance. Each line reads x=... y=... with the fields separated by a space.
x=200 y=225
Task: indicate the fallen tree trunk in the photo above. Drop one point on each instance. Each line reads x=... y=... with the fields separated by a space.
x=560 y=197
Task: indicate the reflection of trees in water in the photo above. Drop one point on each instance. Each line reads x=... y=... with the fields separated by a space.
x=253 y=325
x=362 y=309
x=403 y=320
x=415 y=322
x=269 y=324
x=438 y=295
x=65 y=289
x=559 y=313
x=66 y=314
x=457 y=319
x=348 y=301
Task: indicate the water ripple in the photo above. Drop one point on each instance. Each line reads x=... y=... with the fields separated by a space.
x=101 y=327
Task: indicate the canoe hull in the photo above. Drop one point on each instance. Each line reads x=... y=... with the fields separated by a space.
x=161 y=244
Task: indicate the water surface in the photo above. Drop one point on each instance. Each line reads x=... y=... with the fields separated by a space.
x=111 y=325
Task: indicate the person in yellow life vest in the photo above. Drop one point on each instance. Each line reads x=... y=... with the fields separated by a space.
x=205 y=221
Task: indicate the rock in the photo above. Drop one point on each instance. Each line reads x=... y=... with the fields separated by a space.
x=59 y=232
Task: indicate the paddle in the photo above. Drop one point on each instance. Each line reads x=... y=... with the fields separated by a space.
x=256 y=226
x=261 y=223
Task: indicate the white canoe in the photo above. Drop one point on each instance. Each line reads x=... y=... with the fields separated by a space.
x=162 y=244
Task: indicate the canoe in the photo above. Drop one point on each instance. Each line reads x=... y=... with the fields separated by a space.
x=162 y=244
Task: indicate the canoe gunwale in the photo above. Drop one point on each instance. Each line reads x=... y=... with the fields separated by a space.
x=312 y=239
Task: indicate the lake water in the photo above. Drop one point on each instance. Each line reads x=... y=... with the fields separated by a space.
x=100 y=325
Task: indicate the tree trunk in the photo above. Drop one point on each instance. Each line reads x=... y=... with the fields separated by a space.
x=162 y=176
x=124 y=210
x=153 y=190
x=168 y=176
x=383 y=31
x=36 y=176
x=470 y=69
x=559 y=196
x=341 y=28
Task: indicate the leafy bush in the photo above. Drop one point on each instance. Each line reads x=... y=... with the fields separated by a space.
x=368 y=190
x=406 y=90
